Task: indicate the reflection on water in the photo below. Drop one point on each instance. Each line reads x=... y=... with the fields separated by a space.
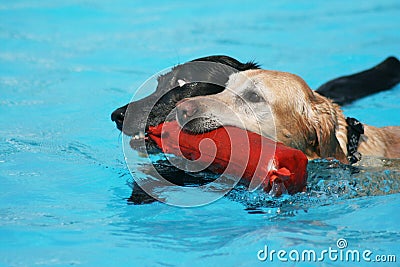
x=329 y=182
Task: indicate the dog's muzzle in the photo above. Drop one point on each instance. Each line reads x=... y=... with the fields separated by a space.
x=186 y=110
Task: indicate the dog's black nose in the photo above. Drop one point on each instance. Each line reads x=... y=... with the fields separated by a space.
x=118 y=116
x=186 y=109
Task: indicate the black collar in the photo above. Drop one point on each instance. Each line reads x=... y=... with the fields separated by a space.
x=354 y=130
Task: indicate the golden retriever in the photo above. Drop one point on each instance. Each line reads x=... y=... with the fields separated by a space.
x=282 y=106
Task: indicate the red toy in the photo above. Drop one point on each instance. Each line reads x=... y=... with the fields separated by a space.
x=238 y=152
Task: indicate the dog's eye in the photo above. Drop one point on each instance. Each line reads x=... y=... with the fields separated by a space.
x=253 y=97
x=181 y=83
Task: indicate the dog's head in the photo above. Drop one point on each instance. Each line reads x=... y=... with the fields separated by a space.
x=274 y=104
x=202 y=76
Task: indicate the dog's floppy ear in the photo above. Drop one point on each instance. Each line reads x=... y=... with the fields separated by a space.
x=325 y=123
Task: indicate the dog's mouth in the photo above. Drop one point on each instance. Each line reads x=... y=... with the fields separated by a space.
x=140 y=136
x=201 y=125
x=141 y=140
x=142 y=143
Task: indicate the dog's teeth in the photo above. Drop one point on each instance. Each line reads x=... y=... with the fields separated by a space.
x=139 y=135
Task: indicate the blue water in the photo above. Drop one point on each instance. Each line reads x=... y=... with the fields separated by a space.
x=65 y=66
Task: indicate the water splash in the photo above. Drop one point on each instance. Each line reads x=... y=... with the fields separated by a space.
x=330 y=182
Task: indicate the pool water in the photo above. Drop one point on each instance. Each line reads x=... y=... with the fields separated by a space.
x=64 y=185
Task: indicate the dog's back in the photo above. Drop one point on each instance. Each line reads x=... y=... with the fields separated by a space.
x=380 y=142
x=393 y=141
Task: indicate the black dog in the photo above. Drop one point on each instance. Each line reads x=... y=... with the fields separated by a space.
x=208 y=75
x=202 y=76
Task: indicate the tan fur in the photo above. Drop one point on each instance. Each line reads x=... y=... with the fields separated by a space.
x=303 y=119
x=380 y=142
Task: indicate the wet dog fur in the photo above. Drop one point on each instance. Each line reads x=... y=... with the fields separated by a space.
x=281 y=105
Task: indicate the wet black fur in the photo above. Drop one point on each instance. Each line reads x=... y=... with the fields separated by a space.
x=347 y=89
x=202 y=79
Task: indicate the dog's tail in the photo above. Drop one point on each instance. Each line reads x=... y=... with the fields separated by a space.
x=346 y=89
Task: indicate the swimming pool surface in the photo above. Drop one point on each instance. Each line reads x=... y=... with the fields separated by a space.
x=65 y=66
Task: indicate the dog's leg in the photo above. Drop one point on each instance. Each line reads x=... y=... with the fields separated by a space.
x=346 y=89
